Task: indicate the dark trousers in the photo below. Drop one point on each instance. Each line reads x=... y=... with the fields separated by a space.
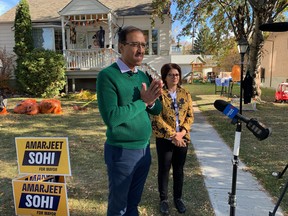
x=127 y=172
x=169 y=154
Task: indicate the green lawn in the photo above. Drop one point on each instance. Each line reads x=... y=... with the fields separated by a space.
x=87 y=187
x=261 y=157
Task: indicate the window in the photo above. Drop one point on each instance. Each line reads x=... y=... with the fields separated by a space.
x=47 y=38
x=146 y=35
x=38 y=37
x=58 y=40
x=153 y=40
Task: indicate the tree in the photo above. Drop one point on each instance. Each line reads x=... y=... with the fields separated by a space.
x=228 y=58
x=204 y=43
x=23 y=33
x=42 y=73
x=241 y=17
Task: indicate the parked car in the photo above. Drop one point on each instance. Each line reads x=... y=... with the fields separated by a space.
x=281 y=94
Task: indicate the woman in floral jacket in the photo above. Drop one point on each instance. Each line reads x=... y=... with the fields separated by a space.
x=172 y=130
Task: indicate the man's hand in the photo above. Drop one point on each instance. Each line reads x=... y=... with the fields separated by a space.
x=152 y=93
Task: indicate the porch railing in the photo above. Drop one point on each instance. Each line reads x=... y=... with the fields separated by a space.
x=89 y=58
x=85 y=59
x=147 y=68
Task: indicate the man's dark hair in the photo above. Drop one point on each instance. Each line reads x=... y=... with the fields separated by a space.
x=123 y=32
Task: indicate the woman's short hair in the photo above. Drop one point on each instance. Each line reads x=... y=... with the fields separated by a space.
x=165 y=70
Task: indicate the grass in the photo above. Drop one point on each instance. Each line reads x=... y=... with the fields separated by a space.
x=261 y=157
x=87 y=187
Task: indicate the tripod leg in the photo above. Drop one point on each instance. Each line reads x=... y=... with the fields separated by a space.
x=232 y=195
x=279 y=200
x=283 y=171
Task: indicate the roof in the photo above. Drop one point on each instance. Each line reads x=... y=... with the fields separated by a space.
x=186 y=59
x=47 y=10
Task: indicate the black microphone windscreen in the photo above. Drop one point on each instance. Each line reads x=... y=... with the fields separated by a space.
x=220 y=105
x=274 y=27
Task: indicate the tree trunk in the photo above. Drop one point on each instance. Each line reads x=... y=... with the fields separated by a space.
x=254 y=53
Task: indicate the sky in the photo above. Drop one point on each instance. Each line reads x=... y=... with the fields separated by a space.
x=5 y=5
x=177 y=27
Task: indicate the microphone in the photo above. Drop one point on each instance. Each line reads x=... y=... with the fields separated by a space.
x=258 y=129
x=274 y=27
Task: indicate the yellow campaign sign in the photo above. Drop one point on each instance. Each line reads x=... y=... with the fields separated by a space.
x=44 y=195
x=43 y=155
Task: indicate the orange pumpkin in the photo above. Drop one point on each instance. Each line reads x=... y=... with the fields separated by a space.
x=28 y=106
x=3 y=111
x=48 y=106
x=3 y=104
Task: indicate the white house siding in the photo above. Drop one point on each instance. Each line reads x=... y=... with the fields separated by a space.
x=274 y=59
x=6 y=37
x=89 y=6
x=156 y=61
x=184 y=61
x=164 y=35
x=207 y=70
x=185 y=69
x=143 y=22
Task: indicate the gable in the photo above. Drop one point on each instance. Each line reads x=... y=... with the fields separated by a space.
x=78 y=7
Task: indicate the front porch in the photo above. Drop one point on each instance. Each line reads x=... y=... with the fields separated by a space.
x=87 y=59
x=83 y=66
x=89 y=40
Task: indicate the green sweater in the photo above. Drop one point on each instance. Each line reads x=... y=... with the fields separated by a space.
x=123 y=111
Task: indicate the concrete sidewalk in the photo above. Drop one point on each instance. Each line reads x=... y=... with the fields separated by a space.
x=215 y=159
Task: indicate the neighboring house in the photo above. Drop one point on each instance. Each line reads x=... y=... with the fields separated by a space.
x=85 y=31
x=274 y=65
x=198 y=64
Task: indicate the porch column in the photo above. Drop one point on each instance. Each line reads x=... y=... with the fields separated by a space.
x=66 y=86
x=63 y=35
x=110 y=29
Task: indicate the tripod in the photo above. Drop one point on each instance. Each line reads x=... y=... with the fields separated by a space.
x=279 y=175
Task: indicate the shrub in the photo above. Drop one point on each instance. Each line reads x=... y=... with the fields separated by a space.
x=42 y=73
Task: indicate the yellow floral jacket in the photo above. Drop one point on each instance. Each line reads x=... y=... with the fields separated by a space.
x=164 y=124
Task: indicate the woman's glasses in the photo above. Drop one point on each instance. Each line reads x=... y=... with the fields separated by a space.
x=173 y=75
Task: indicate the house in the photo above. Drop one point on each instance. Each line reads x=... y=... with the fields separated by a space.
x=85 y=31
x=273 y=68
x=200 y=66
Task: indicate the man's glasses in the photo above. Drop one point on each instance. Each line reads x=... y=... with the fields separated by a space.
x=173 y=75
x=136 y=44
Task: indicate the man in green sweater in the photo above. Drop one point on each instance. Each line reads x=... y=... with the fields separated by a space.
x=126 y=98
